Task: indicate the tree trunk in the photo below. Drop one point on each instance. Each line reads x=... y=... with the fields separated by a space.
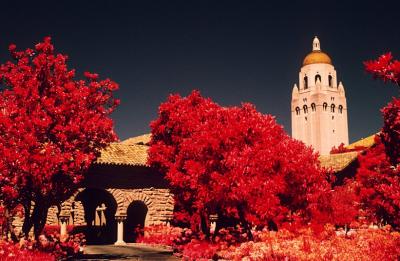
x=205 y=224
x=245 y=224
x=27 y=226
x=218 y=225
x=39 y=217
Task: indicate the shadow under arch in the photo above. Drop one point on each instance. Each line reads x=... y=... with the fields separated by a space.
x=100 y=207
x=136 y=217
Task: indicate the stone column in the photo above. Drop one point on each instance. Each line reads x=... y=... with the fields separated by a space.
x=120 y=230
x=63 y=225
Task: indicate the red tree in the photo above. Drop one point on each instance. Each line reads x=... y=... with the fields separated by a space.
x=385 y=68
x=388 y=69
x=52 y=127
x=379 y=186
x=235 y=162
x=379 y=172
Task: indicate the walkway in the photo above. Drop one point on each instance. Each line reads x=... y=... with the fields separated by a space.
x=129 y=252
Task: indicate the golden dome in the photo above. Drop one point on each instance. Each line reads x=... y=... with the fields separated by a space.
x=317 y=56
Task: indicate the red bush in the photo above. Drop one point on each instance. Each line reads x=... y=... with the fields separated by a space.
x=55 y=229
x=283 y=245
x=15 y=252
x=160 y=235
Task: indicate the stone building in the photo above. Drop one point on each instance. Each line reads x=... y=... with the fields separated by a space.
x=319 y=109
x=119 y=193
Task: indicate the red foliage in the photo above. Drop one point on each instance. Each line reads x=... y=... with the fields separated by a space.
x=15 y=252
x=160 y=235
x=200 y=250
x=233 y=161
x=385 y=68
x=390 y=133
x=379 y=186
x=379 y=172
x=388 y=69
x=52 y=127
x=48 y=247
x=55 y=229
x=283 y=245
x=303 y=244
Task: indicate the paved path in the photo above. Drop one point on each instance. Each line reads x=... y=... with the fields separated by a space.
x=129 y=252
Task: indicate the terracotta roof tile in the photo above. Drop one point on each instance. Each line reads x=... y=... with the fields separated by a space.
x=139 y=140
x=123 y=154
x=365 y=142
x=338 y=161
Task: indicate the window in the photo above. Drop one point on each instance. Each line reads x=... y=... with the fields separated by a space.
x=325 y=106
x=330 y=80
x=297 y=111
x=305 y=82
x=317 y=77
x=340 y=108
x=332 y=107
x=313 y=107
x=305 y=108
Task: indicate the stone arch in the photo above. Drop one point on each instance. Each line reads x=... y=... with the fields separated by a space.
x=99 y=210
x=119 y=197
x=117 y=194
x=140 y=196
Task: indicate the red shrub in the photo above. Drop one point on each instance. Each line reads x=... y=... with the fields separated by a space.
x=55 y=229
x=160 y=235
x=283 y=245
x=200 y=250
x=13 y=252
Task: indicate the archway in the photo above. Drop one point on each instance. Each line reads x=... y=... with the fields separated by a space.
x=100 y=207
x=136 y=217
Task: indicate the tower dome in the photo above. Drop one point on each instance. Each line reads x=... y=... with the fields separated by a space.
x=316 y=56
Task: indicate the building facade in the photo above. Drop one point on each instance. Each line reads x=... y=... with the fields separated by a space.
x=319 y=108
x=120 y=192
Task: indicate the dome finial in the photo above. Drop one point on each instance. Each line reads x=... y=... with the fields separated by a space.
x=316 y=45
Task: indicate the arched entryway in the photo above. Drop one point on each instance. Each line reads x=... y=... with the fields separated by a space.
x=100 y=207
x=136 y=217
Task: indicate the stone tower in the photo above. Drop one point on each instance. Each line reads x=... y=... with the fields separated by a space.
x=319 y=110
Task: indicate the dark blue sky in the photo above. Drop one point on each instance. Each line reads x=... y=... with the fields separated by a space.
x=232 y=51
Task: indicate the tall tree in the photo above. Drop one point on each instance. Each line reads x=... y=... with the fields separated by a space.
x=52 y=127
x=379 y=172
x=233 y=161
x=388 y=69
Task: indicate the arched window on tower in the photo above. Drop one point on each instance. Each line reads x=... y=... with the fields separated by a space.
x=332 y=107
x=340 y=108
x=305 y=108
x=325 y=106
x=313 y=107
x=297 y=111
x=317 y=77
x=330 y=80
x=305 y=82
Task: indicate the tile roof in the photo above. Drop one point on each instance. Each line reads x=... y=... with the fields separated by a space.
x=338 y=161
x=140 y=140
x=133 y=152
x=123 y=154
x=365 y=142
